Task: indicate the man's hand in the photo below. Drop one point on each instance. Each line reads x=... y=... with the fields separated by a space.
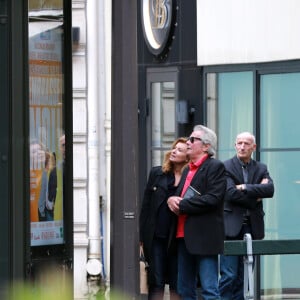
x=264 y=181
x=240 y=187
x=173 y=203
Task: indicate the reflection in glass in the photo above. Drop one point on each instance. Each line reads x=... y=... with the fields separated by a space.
x=282 y=221
x=280 y=136
x=280 y=108
x=45 y=5
x=46 y=124
x=162 y=119
x=229 y=108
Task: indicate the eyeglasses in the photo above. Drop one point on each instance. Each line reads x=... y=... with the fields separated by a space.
x=193 y=138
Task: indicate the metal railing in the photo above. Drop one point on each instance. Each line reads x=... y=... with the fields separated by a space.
x=249 y=247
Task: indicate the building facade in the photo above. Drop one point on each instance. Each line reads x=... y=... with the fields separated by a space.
x=137 y=86
x=91 y=20
x=244 y=77
x=196 y=67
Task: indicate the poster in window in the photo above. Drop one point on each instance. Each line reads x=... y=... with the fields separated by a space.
x=46 y=133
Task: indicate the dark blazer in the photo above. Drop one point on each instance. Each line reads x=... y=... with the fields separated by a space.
x=204 y=228
x=237 y=202
x=156 y=192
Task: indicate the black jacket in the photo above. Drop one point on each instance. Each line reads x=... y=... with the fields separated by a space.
x=237 y=202
x=156 y=192
x=204 y=226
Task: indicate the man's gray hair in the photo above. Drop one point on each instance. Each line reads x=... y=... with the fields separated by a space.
x=246 y=134
x=208 y=137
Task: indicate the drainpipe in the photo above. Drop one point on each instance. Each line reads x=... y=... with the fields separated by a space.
x=93 y=265
x=107 y=17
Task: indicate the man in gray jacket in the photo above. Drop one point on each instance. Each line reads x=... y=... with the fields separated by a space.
x=248 y=182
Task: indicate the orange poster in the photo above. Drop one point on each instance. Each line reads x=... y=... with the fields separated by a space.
x=46 y=134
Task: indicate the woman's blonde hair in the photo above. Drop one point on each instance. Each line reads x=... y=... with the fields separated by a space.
x=168 y=166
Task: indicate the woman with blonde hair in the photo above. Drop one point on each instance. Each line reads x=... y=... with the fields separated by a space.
x=155 y=220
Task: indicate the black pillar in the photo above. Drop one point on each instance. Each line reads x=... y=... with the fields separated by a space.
x=124 y=181
x=14 y=182
x=4 y=144
x=18 y=150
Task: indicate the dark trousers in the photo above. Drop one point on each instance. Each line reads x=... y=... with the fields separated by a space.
x=231 y=284
x=163 y=270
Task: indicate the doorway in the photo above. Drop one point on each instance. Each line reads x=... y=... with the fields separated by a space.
x=161 y=127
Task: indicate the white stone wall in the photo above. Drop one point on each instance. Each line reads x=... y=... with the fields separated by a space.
x=253 y=31
x=80 y=170
x=91 y=58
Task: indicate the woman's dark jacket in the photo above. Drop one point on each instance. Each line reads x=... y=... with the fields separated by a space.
x=155 y=194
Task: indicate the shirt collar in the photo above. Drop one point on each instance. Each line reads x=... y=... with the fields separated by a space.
x=198 y=163
x=244 y=164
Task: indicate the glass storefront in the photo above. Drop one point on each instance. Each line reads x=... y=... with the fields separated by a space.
x=271 y=114
x=161 y=113
x=46 y=132
x=280 y=149
x=162 y=120
x=231 y=111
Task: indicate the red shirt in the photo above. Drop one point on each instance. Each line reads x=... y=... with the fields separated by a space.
x=192 y=171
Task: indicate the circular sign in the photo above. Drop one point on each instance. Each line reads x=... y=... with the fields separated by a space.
x=157 y=21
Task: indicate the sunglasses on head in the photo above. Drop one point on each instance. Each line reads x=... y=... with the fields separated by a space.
x=193 y=138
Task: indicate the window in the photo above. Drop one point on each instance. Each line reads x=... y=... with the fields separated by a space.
x=272 y=114
x=46 y=103
x=229 y=108
x=161 y=119
x=280 y=149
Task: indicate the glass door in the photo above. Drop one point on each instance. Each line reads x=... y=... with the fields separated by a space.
x=161 y=120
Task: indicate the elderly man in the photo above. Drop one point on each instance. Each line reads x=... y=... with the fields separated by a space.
x=200 y=229
x=248 y=182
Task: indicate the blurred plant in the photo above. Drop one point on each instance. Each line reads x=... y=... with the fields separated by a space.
x=56 y=285
x=49 y=286
x=25 y=291
x=112 y=295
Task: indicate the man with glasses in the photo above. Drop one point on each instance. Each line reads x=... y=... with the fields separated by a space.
x=199 y=229
x=248 y=182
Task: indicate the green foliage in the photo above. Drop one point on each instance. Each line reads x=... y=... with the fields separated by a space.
x=112 y=295
x=56 y=285
x=50 y=286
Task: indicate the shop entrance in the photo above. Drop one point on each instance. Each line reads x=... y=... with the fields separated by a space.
x=162 y=96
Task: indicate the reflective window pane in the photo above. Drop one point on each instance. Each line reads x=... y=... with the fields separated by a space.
x=162 y=119
x=282 y=211
x=46 y=102
x=280 y=108
x=280 y=140
x=229 y=108
x=45 y=4
x=279 y=277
